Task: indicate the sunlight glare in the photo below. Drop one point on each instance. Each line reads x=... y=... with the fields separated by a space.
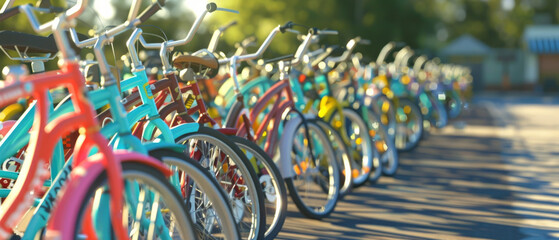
x=195 y=6
x=105 y=10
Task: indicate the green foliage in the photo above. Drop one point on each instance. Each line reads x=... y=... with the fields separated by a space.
x=423 y=24
x=379 y=21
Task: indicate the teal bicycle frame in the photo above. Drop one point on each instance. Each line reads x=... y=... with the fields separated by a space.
x=118 y=131
x=149 y=109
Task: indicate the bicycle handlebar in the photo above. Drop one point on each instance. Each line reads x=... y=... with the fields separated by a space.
x=307 y=42
x=287 y=25
x=260 y=50
x=277 y=59
x=132 y=21
x=9 y=13
x=402 y=55
x=136 y=63
x=56 y=25
x=217 y=33
x=232 y=23
x=418 y=64
x=210 y=7
x=152 y=9
x=325 y=32
x=302 y=48
x=387 y=49
x=350 y=46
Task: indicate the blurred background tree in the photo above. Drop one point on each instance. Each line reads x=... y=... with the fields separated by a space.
x=426 y=25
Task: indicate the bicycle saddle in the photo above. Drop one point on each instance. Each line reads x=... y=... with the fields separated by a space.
x=202 y=63
x=33 y=43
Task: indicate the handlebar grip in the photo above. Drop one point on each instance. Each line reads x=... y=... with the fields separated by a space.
x=211 y=7
x=286 y=26
x=146 y=14
x=9 y=13
x=326 y=32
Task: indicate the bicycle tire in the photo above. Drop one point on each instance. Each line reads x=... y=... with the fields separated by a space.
x=140 y=173
x=275 y=210
x=453 y=104
x=384 y=144
x=437 y=114
x=408 y=135
x=385 y=109
x=210 y=193
x=233 y=115
x=332 y=191
x=257 y=222
x=370 y=159
x=342 y=157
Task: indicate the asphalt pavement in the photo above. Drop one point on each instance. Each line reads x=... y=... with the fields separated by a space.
x=492 y=174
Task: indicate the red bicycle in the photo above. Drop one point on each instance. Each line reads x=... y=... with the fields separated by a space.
x=106 y=169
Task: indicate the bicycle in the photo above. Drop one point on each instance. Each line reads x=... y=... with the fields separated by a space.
x=407 y=115
x=298 y=159
x=83 y=117
x=269 y=175
x=101 y=99
x=192 y=134
x=350 y=89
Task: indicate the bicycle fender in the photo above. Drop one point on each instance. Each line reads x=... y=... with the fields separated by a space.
x=327 y=106
x=284 y=162
x=152 y=146
x=85 y=174
x=183 y=129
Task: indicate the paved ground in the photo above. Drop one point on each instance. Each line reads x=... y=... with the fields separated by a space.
x=494 y=174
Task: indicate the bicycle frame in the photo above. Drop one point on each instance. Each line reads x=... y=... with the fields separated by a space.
x=35 y=164
x=18 y=136
x=101 y=97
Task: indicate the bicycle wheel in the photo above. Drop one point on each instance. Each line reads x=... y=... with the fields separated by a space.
x=342 y=157
x=232 y=170
x=314 y=187
x=454 y=104
x=206 y=201
x=384 y=145
x=410 y=125
x=151 y=193
x=387 y=112
x=433 y=110
x=272 y=184
x=366 y=161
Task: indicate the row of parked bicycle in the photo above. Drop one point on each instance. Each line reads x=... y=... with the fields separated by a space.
x=204 y=152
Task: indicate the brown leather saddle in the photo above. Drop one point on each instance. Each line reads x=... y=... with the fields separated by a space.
x=202 y=63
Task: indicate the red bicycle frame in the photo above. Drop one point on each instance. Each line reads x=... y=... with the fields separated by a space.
x=34 y=169
x=279 y=90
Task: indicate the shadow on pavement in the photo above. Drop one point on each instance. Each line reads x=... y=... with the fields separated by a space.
x=452 y=186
